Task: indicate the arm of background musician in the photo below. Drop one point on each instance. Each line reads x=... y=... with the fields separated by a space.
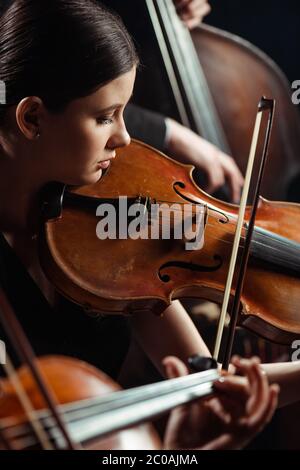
x=187 y=147
x=231 y=418
x=287 y=375
x=173 y=333
x=145 y=125
x=192 y=12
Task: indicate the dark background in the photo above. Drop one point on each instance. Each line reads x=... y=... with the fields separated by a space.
x=272 y=25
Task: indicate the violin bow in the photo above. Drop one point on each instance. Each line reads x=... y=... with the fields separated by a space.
x=264 y=105
x=28 y=407
x=23 y=348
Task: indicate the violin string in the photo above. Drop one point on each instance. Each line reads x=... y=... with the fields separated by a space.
x=263 y=234
x=207 y=224
x=21 y=427
x=26 y=403
x=268 y=236
x=22 y=435
x=279 y=249
x=25 y=352
x=162 y=217
x=223 y=214
x=208 y=235
x=276 y=249
x=201 y=205
x=24 y=430
x=95 y=406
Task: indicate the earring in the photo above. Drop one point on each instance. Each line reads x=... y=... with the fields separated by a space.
x=38 y=135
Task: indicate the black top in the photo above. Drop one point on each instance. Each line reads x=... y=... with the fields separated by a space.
x=145 y=125
x=66 y=330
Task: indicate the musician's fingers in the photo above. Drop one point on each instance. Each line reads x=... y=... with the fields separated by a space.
x=174 y=367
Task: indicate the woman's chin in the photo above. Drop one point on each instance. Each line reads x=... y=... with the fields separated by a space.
x=90 y=179
x=96 y=176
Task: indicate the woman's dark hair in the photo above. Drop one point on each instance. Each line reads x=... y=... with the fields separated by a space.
x=60 y=50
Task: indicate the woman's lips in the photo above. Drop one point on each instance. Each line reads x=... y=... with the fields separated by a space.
x=105 y=164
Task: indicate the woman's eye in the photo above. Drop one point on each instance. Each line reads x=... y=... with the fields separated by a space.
x=104 y=120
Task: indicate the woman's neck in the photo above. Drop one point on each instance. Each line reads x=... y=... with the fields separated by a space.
x=18 y=201
x=19 y=206
x=20 y=185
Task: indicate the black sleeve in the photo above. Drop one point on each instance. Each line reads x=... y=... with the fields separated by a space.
x=147 y=126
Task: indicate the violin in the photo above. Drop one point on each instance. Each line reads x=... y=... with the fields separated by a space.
x=93 y=407
x=137 y=275
x=57 y=402
x=204 y=79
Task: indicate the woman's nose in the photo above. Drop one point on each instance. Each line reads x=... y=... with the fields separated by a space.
x=120 y=138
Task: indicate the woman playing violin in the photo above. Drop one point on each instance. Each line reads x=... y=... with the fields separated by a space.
x=69 y=67
x=63 y=122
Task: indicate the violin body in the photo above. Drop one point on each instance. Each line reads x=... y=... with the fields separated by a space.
x=71 y=381
x=133 y=276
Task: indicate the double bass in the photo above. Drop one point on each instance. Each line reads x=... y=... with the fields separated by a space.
x=210 y=80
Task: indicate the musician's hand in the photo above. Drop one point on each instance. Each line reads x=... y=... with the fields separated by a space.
x=187 y=147
x=240 y=409
x=192 y=12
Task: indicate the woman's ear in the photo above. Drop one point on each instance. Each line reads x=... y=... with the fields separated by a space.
x=28 y=114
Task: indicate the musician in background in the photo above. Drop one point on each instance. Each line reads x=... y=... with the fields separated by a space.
x=228 y=420
x=178 y=141
x=192 y=12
